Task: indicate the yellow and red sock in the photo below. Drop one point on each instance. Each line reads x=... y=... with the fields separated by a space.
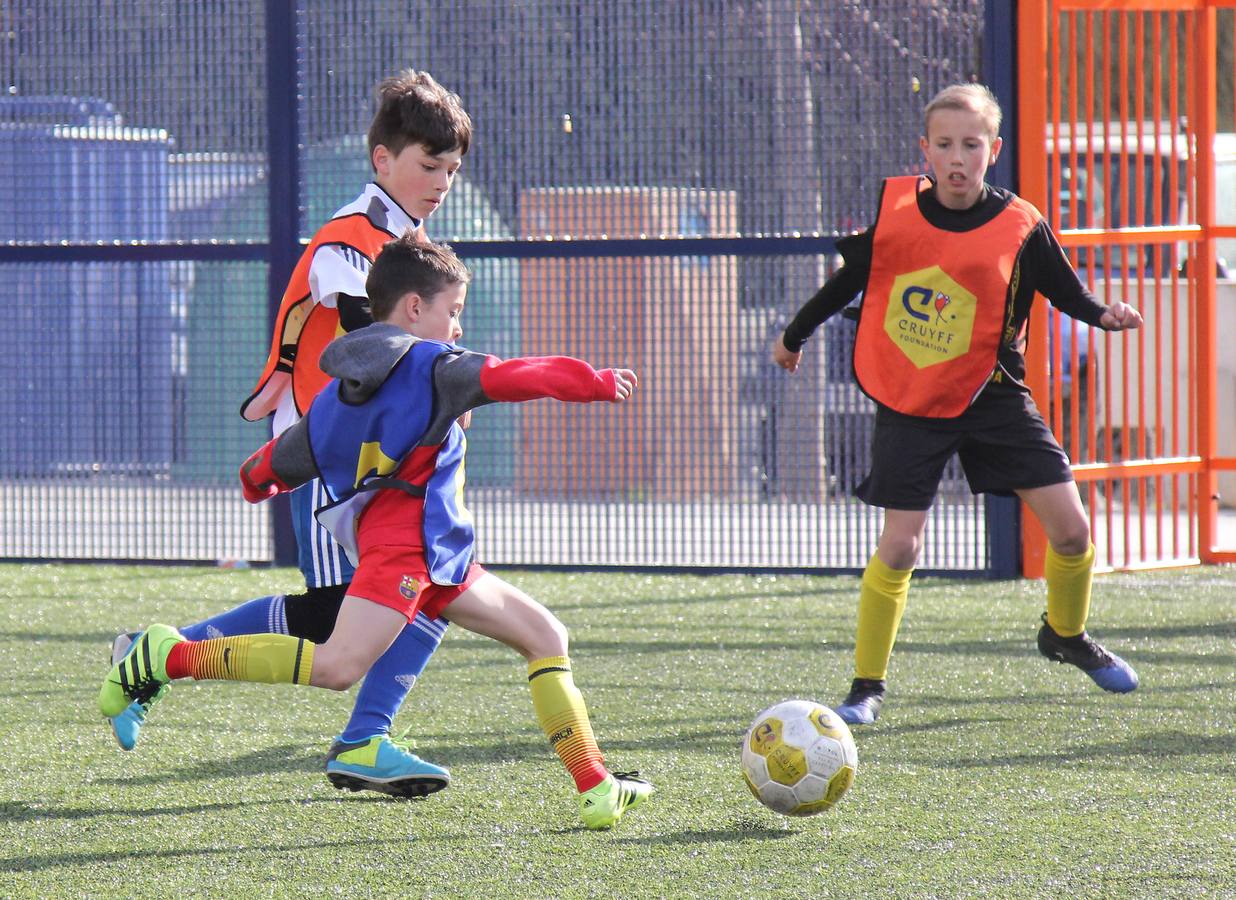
x=881 y=601
x=564 y=719
x=265 y=658
x=1068 y=590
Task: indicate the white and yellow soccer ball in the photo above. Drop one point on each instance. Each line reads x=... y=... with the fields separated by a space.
x=799 y=758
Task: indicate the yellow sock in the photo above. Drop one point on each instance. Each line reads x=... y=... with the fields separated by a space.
x=560 y=708
x=881 y=601
x=268 y=658
x=1068 y=590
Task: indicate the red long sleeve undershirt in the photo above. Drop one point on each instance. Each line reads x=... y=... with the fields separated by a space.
x=554 y=377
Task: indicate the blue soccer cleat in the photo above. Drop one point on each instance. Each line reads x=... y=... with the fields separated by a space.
x=386 y=765
x=1108 y=670
x=127 y=727
x=862 y=705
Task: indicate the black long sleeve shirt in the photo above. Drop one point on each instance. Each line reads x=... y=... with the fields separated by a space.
x=1041 y=267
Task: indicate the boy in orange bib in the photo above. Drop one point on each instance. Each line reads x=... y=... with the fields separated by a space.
x=948 y=273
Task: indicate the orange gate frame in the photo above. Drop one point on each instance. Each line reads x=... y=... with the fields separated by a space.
x=1033 y=122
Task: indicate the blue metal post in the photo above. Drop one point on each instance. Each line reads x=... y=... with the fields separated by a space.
x=283 y=178
x=1000 y=74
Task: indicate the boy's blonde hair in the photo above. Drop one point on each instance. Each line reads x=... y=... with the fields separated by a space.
x=976 y=98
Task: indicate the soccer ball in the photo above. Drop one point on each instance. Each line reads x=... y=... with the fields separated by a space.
x=798 y=758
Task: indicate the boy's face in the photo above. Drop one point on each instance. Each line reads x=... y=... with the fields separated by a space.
x=959 y=148
x=437 y=318
x=416 y=180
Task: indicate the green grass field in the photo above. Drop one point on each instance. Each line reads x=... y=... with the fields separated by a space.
x=992 y=772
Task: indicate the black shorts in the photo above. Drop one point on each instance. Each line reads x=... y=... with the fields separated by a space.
x=1003 y=444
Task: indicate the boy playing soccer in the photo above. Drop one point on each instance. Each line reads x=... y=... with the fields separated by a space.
x=385 y=441
x=417 y=141
x=948 y=273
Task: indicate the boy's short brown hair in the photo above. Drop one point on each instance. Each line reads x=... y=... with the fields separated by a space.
x=415 y=109
x=976 y=98
x=407 y=265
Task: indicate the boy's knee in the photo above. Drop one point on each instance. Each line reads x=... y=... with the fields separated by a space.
x=901 y=551
x=548 y=638
x=1072 y=543
x=336 y=674
x=312 y=615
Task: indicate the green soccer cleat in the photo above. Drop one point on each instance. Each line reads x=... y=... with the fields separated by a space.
x=127 y=727
x=142 y=674
x=602 y=806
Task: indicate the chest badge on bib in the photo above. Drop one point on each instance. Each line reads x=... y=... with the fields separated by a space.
x=930 y=317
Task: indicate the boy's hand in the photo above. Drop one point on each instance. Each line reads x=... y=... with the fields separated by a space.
x=625 y=382
x=786 y=359
x=1120 y=316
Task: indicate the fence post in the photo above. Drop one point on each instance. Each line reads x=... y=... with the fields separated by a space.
x=283 y=179
x=999 y=64
x=1032 y=183
x=1202 y=270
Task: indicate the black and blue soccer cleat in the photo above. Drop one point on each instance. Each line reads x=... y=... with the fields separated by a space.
x=1108 y=670
x=862 y=705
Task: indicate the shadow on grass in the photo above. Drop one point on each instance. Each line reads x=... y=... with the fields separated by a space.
x=291 y=758
x=1154 y=746
x=17 y=811
x=865 y=733
x=362 y=843
x=789 y=592
x=269 y=760
x=102 y=638
x=743 y=828
x=1167 y=632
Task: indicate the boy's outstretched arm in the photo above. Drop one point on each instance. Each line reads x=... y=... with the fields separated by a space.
x=837 y=293
x=553 y=377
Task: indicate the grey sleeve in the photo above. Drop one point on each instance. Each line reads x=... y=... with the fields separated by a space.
x=292 y=458
x=457 y=389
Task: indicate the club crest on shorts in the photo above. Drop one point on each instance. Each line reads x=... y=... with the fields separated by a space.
x=409 y=587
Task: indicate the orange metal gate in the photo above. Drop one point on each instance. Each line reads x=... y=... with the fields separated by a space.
x=1120 y=147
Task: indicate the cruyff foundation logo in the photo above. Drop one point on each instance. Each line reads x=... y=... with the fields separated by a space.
x=930 y=316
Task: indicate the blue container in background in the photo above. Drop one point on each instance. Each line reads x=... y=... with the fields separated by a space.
x=88 y=350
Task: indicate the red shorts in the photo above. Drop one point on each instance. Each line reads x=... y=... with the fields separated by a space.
x=397 y=576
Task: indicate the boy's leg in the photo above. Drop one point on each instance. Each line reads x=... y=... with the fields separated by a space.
x=161 y=655
x=365 y=756
x=391 y=677
x=1068 y=569
x=312 y=615
x=501 y=611
x=881 y=603
x=364 y=749
x=263 y=615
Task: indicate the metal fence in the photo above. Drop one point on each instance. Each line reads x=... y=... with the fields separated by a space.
x=651 y=184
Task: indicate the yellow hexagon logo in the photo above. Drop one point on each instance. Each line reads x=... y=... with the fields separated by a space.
x=786 y=765
x=826 y=725
x=930 y=316
x=766 y=737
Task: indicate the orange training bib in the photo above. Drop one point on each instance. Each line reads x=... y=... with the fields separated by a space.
x=935 y=304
